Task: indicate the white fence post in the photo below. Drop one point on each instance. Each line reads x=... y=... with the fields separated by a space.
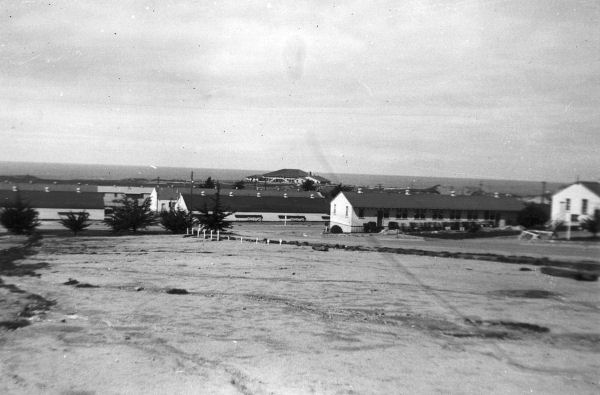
x=211 y=232
x=218 y=235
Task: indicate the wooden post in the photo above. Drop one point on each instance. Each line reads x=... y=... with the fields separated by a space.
x=218 y=235
x=211 y=232
x=204 y=234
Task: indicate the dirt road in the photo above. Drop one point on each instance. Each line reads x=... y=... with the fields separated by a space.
x=261 y=319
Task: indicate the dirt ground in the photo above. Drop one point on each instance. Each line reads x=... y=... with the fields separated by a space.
x=283 y=319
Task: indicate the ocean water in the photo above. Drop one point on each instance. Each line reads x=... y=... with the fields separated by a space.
x=63 y=171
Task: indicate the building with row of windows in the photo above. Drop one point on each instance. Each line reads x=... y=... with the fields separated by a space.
x=352 y=210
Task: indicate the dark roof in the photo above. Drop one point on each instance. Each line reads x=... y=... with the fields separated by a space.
x=433 y=201
x=287 y=173
x=253 y=192
x=58 y=199
x=52 y=187
x=264 y=204
x=167 y=194
x=592 y=186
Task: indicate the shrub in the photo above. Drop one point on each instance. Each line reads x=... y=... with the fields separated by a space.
x=592 y=224
x=533 y=215
x=392 y=225
x=131 y=215
x=371 y=227
x=19 y=218
x=176 y=221
x=76 y=222
x=335 y=229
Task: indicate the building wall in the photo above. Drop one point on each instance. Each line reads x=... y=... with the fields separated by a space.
x=53 y=213
x=576 y=193
x=342 y=214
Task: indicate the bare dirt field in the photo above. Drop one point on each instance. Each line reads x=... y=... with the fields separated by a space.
x=285 y=319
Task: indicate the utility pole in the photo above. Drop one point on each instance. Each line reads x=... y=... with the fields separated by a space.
x=191 y=193
x=543 y=197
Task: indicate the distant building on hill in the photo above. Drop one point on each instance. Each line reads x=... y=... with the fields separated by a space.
x=288 y=176
x=575 y=202
x=352 y=210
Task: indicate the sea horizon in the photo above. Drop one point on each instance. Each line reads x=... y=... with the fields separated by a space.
x=73 y=171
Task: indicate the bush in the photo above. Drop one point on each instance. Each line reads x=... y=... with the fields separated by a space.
x=76 y=222
x=392 y=225
x=371 y=227
x=131 y=215
x=176 y=221
x=19 y=218
x=533 y=215
x=592 y=224
x=335 y=229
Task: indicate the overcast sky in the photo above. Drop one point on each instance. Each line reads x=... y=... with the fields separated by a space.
x=485 y=89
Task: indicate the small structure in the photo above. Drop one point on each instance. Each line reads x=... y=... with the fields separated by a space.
x=54 y=204
x=575 y=202
x=352 y=210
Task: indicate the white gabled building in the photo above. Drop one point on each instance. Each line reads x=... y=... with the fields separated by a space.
x=163 y=199
x=351 y=211
x=575 y=202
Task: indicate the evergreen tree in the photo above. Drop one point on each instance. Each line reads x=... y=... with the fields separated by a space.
x=131 y=215
x=19 y=217
x=176 y=221
x=76 y=222
x=209 y=183
x=308 y=185
x=214 y=218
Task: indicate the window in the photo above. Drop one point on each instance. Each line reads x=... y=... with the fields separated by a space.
x=420 y=213
x=454 y=214
x=402 y=213
x=574 y=217
x=346 y=211
x=361 y=212
x=584 y=206
x=568 y=204
x=334 y=206
x=489 y=215
x=386 y=213
x=472 y=214
x=438 y=214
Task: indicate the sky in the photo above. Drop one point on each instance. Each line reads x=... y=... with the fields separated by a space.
x=482 y=89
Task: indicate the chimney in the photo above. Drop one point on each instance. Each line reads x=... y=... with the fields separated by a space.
x=285 y=195
x=46 y=189
x=78 y=190
x=257 y=194
x=312 y=196
x=359 y=190
x=15 y=189
x=452 y=193
x=231 y=193
x=496 y=195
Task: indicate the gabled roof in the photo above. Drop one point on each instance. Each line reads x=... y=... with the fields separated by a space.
x=263 y=204
x=287 y=173
x=592 y=186
x=57 y=199
x=433 y=201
